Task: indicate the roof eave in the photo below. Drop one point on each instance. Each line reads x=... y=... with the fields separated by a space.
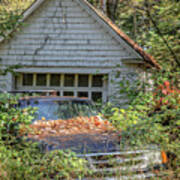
x=147 y=58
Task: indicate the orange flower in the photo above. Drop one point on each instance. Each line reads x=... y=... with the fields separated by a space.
x=166 y=83
x=164 y=91
x=96 y=118
x=106 y=122
x=97 y=123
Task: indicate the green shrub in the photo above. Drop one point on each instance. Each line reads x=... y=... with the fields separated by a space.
x=153 y=117
x=22 y=159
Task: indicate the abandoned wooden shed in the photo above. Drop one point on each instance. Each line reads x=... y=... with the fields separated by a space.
x=71 y=47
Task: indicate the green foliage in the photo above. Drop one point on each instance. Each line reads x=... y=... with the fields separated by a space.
x=153 y=117
x=10 y=119
x=30 y=164
x=8 y=21
x=9 y=69
x=10 y=14
x=152 y=24
x=24 y=159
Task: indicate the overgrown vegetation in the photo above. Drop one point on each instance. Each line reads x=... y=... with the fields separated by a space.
x=23 y=159
x=153 y=117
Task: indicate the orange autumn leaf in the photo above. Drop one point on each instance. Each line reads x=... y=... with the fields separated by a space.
x=85 y=125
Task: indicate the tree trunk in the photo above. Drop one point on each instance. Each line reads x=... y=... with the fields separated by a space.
x=104 y=6
x=112 y=8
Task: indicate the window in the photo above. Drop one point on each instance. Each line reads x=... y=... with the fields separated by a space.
x=27 y=79
x=83 y=81
x=96 y=96
x=69 y=80
x=97 y=81
x=68 y=93
x=82 y=94
x=41 y=80
x=80 y=85
x=55 y=80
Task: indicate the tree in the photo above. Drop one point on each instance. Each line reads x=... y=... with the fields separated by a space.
x=152 y=24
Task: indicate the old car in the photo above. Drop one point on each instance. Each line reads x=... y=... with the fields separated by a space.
x=74 y=123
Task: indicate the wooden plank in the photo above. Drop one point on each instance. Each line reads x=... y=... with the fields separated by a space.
x=72 y=20
x=77 y=26
x=63 y=31
x=74 y=70
x=62 y=47
x=70 y=52
x=60 y=64
x=66 y=3
x=72 y=36
x=74 y=9
x=67 y=15
x=54 y=41
x=58 y=58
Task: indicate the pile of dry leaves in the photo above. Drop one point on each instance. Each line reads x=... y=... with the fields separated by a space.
x=80 y=125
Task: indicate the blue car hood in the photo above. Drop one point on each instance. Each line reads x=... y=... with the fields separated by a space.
x=83 y=143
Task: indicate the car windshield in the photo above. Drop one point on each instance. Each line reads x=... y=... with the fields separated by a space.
x=54 y=109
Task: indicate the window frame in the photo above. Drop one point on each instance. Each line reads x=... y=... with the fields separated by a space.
x=62 y=88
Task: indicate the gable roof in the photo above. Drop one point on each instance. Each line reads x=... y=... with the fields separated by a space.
x=146 y=57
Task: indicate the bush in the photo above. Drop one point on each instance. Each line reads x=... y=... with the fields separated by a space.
x=153 y=117
x=22 y=159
